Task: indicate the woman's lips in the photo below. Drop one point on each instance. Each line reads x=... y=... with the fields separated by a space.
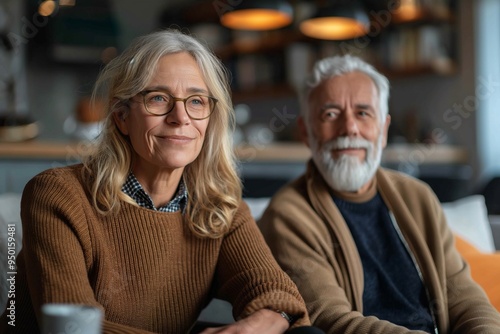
x=177 y=138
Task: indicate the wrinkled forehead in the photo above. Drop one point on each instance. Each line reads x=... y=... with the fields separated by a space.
x=351 y=88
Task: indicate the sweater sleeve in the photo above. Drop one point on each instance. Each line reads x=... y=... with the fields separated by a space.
x=249 y=276
x=302 y=245
x=57 y=246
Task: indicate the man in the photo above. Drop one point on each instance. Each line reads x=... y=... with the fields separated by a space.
x=369 y=248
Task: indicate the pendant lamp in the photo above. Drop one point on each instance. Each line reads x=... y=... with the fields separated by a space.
x=337 y=20
x=408 y=10
x=258 y=15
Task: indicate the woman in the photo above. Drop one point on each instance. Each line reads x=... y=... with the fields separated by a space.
x=151 y=226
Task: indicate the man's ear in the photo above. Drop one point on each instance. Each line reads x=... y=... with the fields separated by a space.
x=385 y=130
x=301 y=124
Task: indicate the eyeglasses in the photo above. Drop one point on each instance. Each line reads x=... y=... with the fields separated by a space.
x=159 y=103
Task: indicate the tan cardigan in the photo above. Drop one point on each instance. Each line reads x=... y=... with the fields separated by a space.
x=144 y=268
x=313 y=244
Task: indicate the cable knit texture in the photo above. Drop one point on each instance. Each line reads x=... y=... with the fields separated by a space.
x=146 y=270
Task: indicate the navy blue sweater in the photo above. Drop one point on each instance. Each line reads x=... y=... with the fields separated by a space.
x=393 y=290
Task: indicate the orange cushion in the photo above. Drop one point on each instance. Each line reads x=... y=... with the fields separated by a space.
x=465 y=247
x=485 y=269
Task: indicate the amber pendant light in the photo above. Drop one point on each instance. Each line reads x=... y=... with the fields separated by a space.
x=258 y=15
x=337 y=20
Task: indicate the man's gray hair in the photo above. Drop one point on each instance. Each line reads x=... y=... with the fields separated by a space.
x=338 y=65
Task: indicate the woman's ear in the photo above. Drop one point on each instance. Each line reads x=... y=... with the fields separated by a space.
x=119 y=115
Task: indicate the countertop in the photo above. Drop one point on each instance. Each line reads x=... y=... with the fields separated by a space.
x=280 y=151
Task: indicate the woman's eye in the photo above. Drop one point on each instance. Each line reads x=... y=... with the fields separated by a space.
x=158 y=98
x=197 y=100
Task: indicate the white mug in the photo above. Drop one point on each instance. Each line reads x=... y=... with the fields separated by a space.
x=71 y=319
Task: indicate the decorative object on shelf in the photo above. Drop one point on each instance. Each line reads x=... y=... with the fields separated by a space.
x=17 y=128
x=258 y=15
x=81 y=131
x=419 y=47
x=259 y=135
x=337 y=20
x=87 y=123
x=14 y=125
x=242 y=117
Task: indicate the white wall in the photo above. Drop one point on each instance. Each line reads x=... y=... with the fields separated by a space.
x=487 y=46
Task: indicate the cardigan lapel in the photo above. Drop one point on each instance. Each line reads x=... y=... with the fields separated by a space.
x=345 y=249
x=414 y=238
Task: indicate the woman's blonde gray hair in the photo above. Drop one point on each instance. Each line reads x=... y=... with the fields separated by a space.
x=214 y=188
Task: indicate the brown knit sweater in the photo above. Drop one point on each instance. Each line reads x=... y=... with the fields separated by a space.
x=145 y=268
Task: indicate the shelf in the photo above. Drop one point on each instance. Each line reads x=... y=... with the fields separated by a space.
x=414 y=154
x=279 y=151
x=35 y=149
x=282 y=152
x=417 y=154
x=403 y=49
x=273 y=41
x=444 y=68
x=262 y=92
x=437 y=15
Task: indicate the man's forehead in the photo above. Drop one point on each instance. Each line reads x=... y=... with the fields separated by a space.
x=354 y=84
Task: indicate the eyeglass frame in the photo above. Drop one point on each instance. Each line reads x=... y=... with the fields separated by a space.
x=175 y=99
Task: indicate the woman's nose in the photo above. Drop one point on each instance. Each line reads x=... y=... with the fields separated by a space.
x=178 y=114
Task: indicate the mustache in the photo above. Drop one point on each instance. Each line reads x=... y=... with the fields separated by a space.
x=346 y=143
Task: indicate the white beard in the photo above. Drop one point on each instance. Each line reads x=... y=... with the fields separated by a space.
x=346 y=173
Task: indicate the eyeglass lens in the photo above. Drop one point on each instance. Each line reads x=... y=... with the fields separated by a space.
x=197 y=106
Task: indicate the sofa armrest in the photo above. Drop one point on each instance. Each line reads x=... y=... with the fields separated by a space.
x=495 y=229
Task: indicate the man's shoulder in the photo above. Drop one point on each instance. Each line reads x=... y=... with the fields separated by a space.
x=401 y=180
x=293 y=189
x=393 y=184
x=291 y=197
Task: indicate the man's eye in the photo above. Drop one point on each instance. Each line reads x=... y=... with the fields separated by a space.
x=329 y=114
x=365 y=113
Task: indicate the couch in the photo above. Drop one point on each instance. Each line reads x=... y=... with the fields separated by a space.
x=477 y=234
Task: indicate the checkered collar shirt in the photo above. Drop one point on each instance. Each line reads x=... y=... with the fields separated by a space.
x=133 y=188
